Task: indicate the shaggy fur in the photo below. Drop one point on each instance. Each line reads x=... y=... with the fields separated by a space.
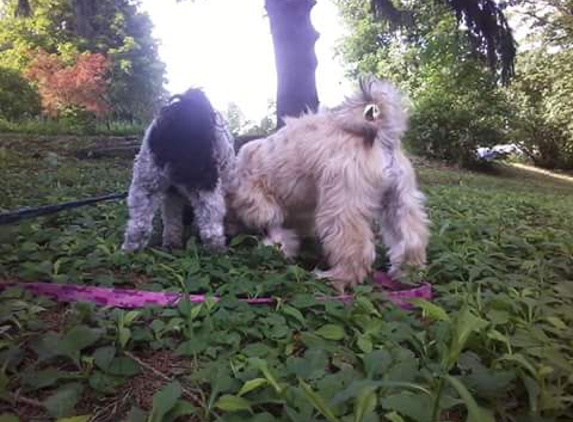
x=186 y=158
x=336 y=174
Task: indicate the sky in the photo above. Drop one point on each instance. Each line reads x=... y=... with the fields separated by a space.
x=225 y=47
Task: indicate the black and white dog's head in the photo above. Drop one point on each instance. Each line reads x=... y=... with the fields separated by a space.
x=183 y=137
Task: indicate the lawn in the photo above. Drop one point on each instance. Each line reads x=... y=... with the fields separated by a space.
x=495 y=343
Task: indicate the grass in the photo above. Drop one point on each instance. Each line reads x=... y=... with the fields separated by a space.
x=51 y=127
x=495 y=344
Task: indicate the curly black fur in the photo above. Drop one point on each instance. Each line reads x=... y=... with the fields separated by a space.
x=182 y=138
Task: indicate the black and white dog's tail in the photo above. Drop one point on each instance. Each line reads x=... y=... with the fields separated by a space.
x=182 y=139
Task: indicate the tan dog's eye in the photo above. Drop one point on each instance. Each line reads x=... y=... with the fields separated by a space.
x=371 y=112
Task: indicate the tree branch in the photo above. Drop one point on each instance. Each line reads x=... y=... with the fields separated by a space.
x=385 y=9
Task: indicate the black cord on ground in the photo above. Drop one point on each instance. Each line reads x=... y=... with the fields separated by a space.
x=25 y=213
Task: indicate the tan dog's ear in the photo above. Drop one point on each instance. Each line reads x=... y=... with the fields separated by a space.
x=371 y=112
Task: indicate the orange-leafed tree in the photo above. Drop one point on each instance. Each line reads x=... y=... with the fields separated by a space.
x=63 y=85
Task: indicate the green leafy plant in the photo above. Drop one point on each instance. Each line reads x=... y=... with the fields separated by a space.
x=493 y=344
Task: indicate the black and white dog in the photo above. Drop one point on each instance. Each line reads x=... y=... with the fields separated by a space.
x=187 y=157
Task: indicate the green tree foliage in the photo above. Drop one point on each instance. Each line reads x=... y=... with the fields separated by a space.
x=553 y=19
x=115 y=28
x=236 y=118
x=542 y=92
x=543 y=120
x=487 y=27
x=457 y=103
x=138 y=74
x=17 y=97
x=240 y=125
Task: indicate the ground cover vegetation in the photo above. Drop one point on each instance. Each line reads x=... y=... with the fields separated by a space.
x=495 y=343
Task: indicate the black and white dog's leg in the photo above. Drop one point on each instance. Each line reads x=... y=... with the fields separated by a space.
x=209 y=213
x=142 y=204
x=172 y=216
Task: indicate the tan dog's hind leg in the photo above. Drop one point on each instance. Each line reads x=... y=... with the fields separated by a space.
x=404 y=223
x=347 y=239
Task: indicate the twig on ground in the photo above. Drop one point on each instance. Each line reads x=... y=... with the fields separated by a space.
x=17 y=398
x=192 y=395
x=110 y=411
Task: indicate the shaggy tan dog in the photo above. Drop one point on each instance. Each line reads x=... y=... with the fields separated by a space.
x=336 y=174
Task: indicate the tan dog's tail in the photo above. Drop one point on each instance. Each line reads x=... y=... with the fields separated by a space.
x=376 y=111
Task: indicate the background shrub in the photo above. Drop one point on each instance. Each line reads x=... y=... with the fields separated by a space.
x=541 y=95
x=18 y=99
x=450 y=125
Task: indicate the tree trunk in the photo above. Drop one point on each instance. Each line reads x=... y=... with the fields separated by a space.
x=23 y=9
x=293 y=39
x=84 y=11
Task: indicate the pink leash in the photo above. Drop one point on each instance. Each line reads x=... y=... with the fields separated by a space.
x=130 y=298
